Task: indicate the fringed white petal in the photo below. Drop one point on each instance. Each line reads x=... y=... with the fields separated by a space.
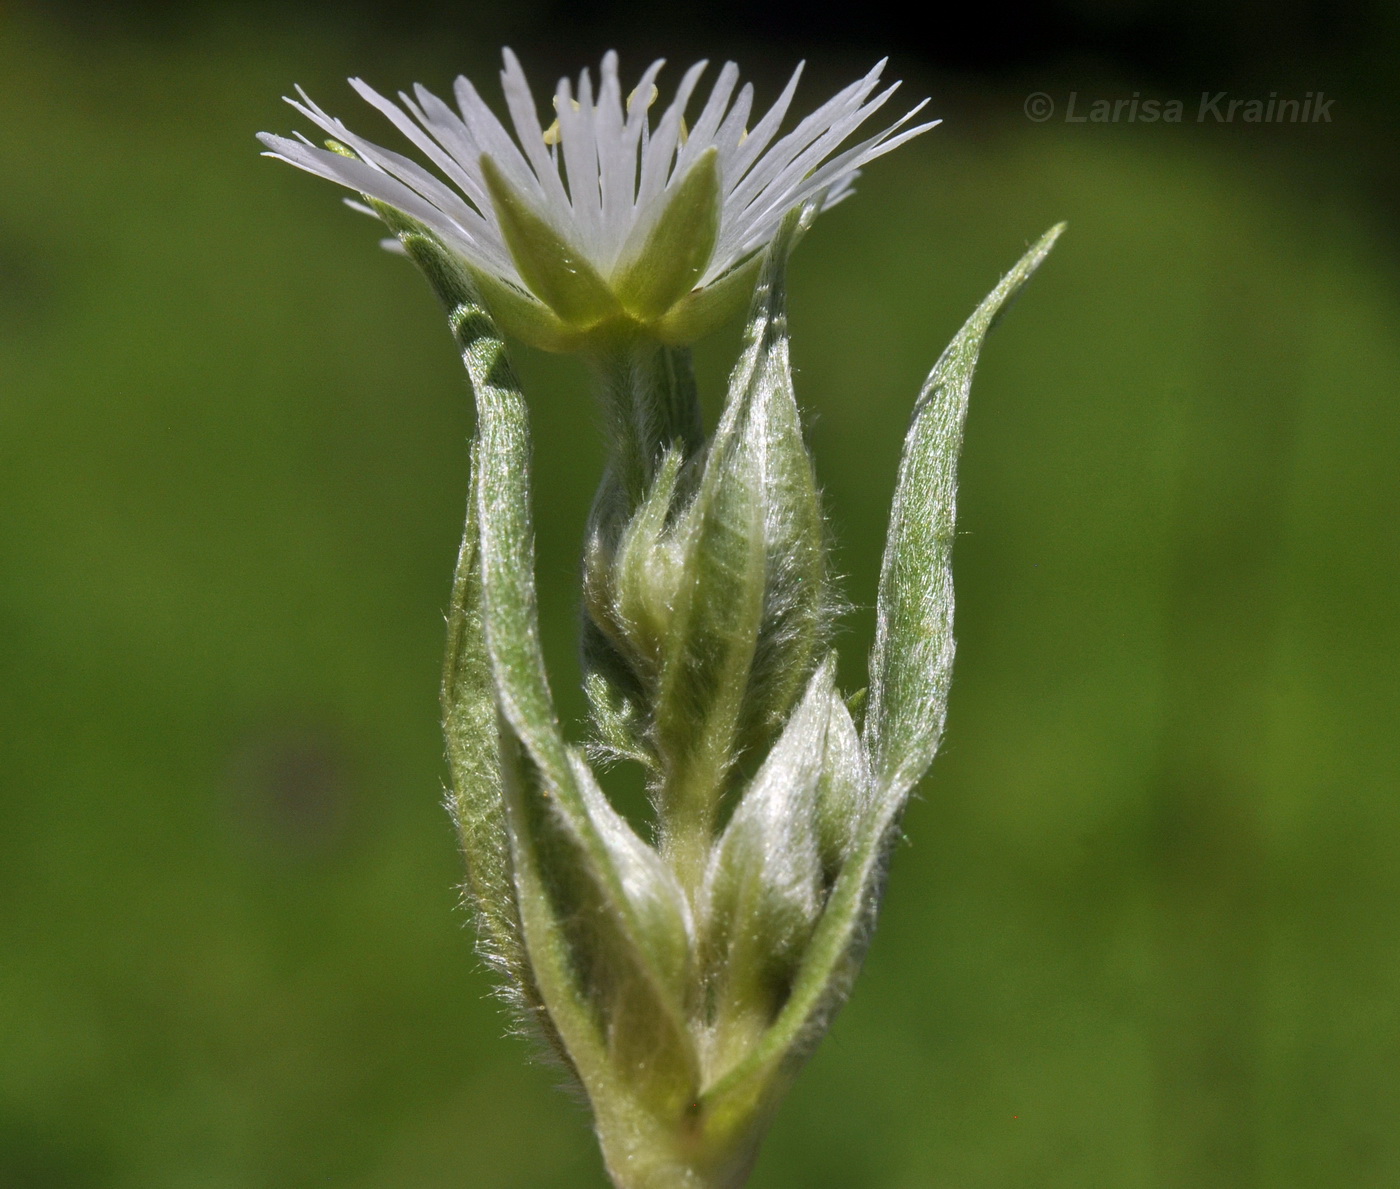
x=605 y=177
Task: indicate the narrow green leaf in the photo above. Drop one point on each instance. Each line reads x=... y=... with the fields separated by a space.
x=914 y=670
x=828 y=969
x=477 y=800
x=468 y=698
x=583 y=866
x=562 y=996
x=563 y=837
x=619 y=1032
x=911 y=664
x=442 y=268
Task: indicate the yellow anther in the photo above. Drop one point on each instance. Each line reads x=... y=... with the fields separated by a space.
x=632 y=98
x=651 y=98
x=552 y=134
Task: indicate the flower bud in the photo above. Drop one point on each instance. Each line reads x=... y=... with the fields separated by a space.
x=712 y=606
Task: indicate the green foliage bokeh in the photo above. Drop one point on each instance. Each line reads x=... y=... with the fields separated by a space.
x=1147 y=929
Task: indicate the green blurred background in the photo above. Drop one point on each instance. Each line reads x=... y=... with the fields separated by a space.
x=1146 y=931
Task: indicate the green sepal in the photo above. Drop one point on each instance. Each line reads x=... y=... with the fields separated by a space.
x=669 y=262
x=601 y=327
x=911 y=664
x=521 y=314
x=703 y=311
x=554 y=269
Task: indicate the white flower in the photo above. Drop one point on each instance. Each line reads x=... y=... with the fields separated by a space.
x=605 y=220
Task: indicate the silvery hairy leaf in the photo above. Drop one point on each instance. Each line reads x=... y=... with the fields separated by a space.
x=911 y=668
x=586 y=882
x=477 y=799
x=600 y=921
x=911 y=664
